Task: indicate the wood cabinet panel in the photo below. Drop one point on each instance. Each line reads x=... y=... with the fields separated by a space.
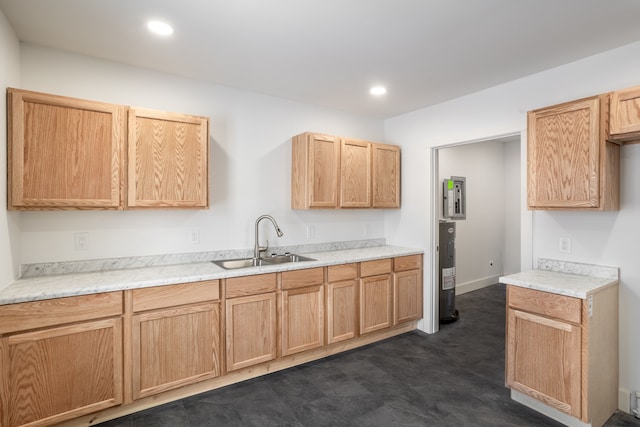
x=544 y=360
x=355 y=174
x=375 y=303
x=175 y=347
x=571 y=165
x=386 y=176
x=173 y=295
x=407 y=296
x=378 y=266
x=337 y=273
x=302 y=278
x=250 y=285
x=168 y=160
x=625 y=115
x=302 y=319
x=410 y=262
x=342 y=311
x=250 y=330
x=315 y=171
x=64 y=153
x=547 y=304
x=53 y=312
x=56 y=374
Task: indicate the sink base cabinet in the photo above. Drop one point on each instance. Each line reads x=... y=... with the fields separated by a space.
x=563 y=352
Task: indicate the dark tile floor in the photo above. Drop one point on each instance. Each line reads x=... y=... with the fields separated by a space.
x=452 y=378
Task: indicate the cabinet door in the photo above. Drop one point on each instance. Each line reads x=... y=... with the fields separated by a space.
x=175 y=347
x=56 y=374
x=302 y=319
x=544 y=360
x=625 y=115
x=64 y=153
x=251 y=330
x=315 y=171
x=342 y=311
x=564 y=144
x=168 y=160
x=355 y=174
x=375 y=303
x=407 y=296
x=386 y=176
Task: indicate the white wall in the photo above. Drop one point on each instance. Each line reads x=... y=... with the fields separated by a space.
x=481 y=239
x=602 y=238
x=512 y=208
x=9 y=221
x=250 y=166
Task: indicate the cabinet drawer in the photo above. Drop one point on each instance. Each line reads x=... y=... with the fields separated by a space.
x=173 y=295
x=545 y=303
x=302 y=278
x=338 y=273
x=371 y=268
x=410 y=262
x=58 y=311
x=250 y=285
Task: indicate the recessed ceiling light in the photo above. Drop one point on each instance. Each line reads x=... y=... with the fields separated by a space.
x=378 y=90
x=160 y=28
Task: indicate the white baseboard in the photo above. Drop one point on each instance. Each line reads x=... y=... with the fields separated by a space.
x=474 y=285
x=624 y=400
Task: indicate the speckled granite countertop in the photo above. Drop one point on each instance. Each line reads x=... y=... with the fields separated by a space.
x=565 y=278
x=71 y=284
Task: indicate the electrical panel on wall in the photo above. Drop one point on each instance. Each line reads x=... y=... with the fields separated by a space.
x=454 y=201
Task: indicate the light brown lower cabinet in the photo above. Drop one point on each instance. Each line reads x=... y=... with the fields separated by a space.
x=407 y=288
x=251 y=320
x=562 y=351
x=60 y=359
x=376 y=295
x=342 y=302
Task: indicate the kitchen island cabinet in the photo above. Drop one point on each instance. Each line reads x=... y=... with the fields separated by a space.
x=60 y=358
x=571 y=163
x=176 y=336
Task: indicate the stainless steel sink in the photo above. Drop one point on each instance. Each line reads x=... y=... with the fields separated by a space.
x=232 y=264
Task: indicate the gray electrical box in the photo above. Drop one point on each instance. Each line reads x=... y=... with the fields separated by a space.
x=454 y=200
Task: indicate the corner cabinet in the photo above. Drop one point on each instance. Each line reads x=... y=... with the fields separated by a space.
x=625 y=115
x=64 y=153
x=571 y=163
x=69 y=153
x=168 y=160
x=563 y=351
x=330 y=172
x=61 y=358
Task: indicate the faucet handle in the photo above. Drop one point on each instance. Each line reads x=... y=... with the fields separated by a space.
x=263 y=249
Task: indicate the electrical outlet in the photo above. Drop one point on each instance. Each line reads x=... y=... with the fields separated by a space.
x=366 y=230
x=311 y=232
x=564 y=245
x=194 y=236
x=81 y=240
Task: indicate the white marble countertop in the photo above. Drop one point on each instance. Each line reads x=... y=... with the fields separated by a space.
x=565 y=278
x=64 y=285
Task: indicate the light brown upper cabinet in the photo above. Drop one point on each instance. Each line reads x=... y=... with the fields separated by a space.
x=571 y=163
x=333 y=172
x=625 y=115
x=69 y=153
x=64 y=153
x=168 y=160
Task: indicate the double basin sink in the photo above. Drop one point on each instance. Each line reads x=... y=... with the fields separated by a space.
x=232 y=264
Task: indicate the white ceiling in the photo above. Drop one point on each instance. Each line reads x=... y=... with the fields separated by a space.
x=329 y=52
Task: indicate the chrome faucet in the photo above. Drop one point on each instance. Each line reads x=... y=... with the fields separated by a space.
x=257 y=248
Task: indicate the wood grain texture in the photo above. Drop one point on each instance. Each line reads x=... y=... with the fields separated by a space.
x=251 y=328
x=410 y=262
x=342 y=310
x=250 y=285
x=60 y=373
x=64 y=153
x=302 y=319
x=173 y=295
x=376 y=310
x=407 y=296
x=355 y=173
x=570 y=165
x=378 y=266
x=53 y=312
x=302 y=278
x=547 y=304
x=168 y=160
x=337 y=273
x=174 y=347
x=386 y=176
x=625 y=115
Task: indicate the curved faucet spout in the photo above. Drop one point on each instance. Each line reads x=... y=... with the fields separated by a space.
x=257 y=248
